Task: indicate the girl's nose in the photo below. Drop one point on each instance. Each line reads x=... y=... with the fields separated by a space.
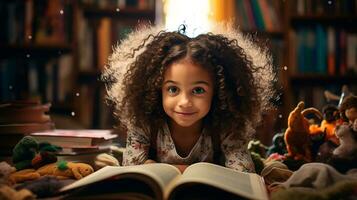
x=185 y=101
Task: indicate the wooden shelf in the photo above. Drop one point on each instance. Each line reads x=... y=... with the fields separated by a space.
x=61 y=108
x=124 y=13
x=340 y=20
x=319 y=79
x=32 y=50
x=89 y=77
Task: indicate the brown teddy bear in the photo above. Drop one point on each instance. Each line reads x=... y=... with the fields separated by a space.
x=61 y=170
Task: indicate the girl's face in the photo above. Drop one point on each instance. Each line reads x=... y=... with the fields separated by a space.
x=187 y=93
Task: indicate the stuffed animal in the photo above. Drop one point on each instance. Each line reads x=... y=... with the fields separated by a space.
x=9 y=193
x=331 y=120
x=5 y=171
x=278 y=145
x=29 y=153
x=61 y=170
x=47 y=154
x=347 y=134
x=257 y=147
x=297 y=135
x=348 y=109
x=23 y=152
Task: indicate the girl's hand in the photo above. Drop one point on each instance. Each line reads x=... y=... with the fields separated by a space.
x=149 y=161
x=181 y=167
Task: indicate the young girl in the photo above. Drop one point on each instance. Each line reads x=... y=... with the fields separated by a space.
x=185 y=100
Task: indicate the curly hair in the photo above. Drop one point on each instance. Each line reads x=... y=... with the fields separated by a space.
x=239 y=83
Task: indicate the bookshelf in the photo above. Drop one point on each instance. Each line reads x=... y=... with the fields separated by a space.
x=263 y=20
x=54 y=51
x=102 y=26
x=37 y=45
x=321 y=39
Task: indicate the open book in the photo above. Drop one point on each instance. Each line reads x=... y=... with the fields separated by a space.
x=164 y=181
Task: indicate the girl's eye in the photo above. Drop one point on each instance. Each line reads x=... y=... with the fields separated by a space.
x=172 y=89
x=198 y=90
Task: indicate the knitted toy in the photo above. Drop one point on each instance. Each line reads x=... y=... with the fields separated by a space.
x=348 y=109
x=61 y=170
x=297 y=135
x=23 y=152
x=47 y=154
x=347 y=134
x=257 y=147
x=28 y=153
x=105 y=159
x=331 y=120
x=9 y=193
x=5 y=171
x=278 y=145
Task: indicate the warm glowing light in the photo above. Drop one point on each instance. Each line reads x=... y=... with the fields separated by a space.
x=194 y=14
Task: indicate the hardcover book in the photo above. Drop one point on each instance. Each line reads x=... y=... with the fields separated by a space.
x=163 y=181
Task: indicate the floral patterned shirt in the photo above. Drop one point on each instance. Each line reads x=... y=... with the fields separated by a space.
x=235 y=151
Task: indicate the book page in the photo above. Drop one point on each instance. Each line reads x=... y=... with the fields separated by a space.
x=160 y=173
x=247 y=185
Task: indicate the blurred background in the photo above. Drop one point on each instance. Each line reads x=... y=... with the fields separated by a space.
x=53 y=51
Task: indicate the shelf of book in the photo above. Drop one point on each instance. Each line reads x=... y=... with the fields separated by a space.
x=321 y=50
x=317 y=79
x=122 y=14
x=32 y=50
x=324 y=19
x=37 y=45
x=103 y=24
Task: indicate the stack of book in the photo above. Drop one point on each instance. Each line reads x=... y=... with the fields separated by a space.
x=20 y=118
x=78 y=145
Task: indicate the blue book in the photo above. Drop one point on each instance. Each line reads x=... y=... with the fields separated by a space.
x=321 y=49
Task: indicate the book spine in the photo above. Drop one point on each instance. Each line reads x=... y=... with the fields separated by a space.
x=331 y=69
x=258 y=15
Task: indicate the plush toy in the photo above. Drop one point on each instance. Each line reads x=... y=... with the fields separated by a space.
x=275 y=171
x=278 y=145
x=297 y=135
x=331 y=120
x=257 y=147
x=258 y=162
x=23 y=152
x=105 y=159
x=29 y=153
x=347 y=134
x=348 y=109
x=5 y=171
x=47 y=154
x=61 y=170
x=9 y=193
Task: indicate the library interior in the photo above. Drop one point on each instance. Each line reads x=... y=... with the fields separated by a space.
x=54 y=53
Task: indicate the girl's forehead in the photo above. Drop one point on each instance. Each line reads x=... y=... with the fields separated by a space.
x=187 y=71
